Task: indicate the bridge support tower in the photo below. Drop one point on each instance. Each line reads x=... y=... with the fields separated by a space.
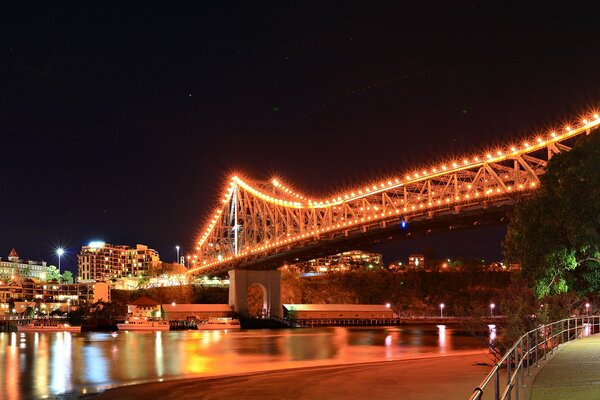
x=269 y=282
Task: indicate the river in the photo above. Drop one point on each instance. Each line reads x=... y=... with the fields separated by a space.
x=44 y=365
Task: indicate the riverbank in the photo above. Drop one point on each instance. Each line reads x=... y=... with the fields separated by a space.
x=426 y=377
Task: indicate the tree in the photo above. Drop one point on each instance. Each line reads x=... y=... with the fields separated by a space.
x=52 y=274
x=67 y=277
x=555 y=234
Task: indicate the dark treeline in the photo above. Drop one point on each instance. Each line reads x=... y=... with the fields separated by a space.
x=412 y=293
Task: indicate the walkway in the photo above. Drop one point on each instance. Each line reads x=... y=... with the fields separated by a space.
x=573 y=373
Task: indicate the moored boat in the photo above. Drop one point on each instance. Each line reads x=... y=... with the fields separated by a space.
x=48 y=326
x=220 y=323
x=143 y=324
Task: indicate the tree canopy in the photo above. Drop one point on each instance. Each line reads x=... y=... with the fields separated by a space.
x=52 y=274
x=67 y=277
x=555 y=233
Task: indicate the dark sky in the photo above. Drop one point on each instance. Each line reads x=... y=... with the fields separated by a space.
x=121 y=123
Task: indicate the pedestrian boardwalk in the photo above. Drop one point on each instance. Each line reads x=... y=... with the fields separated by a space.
x=573 y=373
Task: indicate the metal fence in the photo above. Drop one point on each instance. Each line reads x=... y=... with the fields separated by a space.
x=527 y=352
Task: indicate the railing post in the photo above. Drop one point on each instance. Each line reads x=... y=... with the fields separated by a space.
x=508 y=375
x=576 y=334
x=528 y=356
x=523 y=355
x=537 y=357
x=516 y=381
x=545 y=342
x=552 y=337
x=497 y=383
x=569 y=330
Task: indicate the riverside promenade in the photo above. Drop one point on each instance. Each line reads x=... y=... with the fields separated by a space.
x=573 y=373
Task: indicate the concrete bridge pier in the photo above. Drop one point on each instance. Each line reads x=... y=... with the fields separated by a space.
x=269 y=282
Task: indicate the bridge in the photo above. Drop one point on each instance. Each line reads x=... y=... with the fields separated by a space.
x=258 y=226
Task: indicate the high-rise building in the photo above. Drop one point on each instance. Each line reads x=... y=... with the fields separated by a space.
x=100 y=261
x=141 y=260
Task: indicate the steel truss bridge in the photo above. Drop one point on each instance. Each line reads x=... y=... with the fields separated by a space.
x=266 y=224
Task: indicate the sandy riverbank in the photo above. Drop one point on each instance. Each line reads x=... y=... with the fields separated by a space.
x=448 y=377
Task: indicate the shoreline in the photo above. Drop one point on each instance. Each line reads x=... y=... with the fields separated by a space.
x=473 y=366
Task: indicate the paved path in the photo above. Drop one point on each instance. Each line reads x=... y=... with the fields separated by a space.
x=448 y=378
x=573 y=373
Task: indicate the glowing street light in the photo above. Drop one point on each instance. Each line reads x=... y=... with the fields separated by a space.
x=59 y=252
x=388 y=305
x=492 y=306
x=587 y=308
x=177 y=248
x=442 y=310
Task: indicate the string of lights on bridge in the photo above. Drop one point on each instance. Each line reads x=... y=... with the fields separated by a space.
x=527 y=146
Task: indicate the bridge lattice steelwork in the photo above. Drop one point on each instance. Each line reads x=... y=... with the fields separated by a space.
x=259 y=219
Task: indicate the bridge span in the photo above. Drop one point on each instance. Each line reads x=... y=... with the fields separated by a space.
x=262 y=225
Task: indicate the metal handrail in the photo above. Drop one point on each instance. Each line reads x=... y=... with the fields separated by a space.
x=528 y=350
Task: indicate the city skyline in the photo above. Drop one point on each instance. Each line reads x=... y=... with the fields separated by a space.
x=121 y=131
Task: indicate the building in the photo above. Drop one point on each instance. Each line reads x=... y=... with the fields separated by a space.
x=100 y=261
x=48 y=296
x=144 y=307
x=197 y=312
x=416 y=261
x=338 y=312
x=141 y=260
x=342 y=262
x=31 y=290
x=16 y=269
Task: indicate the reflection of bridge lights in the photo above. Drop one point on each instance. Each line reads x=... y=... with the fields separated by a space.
x=388 y=340
x=442 y=336
x=492 y=332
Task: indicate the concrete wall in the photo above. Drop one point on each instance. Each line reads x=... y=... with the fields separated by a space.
x=270 y=281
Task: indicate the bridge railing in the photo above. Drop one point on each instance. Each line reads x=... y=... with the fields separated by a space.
x=527 y=351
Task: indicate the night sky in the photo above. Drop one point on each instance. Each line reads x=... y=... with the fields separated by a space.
x=121 y=123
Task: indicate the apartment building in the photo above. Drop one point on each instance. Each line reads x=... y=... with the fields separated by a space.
x=100 y=261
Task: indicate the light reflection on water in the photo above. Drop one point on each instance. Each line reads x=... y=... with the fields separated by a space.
x=34 y=365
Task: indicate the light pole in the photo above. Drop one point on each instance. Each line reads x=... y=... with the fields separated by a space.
x=492 y=309
x=177 y=260
x=442 y=310
x=59 y=252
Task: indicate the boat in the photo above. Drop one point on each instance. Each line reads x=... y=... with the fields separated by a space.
x=48 y=326
x=220 y=323
x=143 y=324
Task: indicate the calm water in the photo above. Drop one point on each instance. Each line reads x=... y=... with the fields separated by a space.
x=38 y=365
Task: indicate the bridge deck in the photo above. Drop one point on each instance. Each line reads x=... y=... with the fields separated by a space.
x=574 y=373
